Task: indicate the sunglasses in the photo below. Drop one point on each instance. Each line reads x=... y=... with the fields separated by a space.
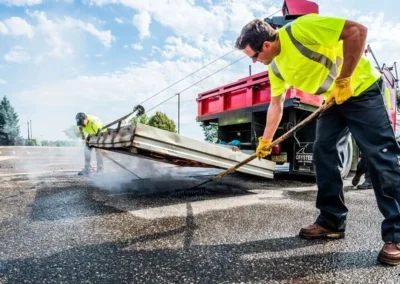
x=255 y=56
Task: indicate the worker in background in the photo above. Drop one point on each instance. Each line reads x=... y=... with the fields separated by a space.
x=89 y=125
x=324 y=56
x=361 y=170
x=362 y=167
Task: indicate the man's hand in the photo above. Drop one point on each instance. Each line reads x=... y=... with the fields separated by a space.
x=262 y=149
x=342 y=91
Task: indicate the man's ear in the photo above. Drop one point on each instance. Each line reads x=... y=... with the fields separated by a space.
x=267 y=45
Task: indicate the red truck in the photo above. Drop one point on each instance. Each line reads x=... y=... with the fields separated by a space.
x=239 y=108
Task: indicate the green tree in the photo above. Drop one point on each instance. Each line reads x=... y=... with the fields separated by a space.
x=143 y=119
x=73 y=132
x=210 y=133
x=9 y=123
x=162 y=121
x=33 y=142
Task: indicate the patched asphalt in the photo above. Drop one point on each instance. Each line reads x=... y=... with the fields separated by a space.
x=57 y=227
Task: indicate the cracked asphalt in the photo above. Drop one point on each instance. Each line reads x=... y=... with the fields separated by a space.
x=57 y=227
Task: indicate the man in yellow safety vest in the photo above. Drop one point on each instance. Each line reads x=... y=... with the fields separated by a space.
x=89 y=124
x=324 y=56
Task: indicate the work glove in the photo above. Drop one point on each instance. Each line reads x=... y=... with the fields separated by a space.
x=341 y=92
x=262 y=149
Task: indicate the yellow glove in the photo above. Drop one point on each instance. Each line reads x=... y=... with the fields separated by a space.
x=328 y=99
x=263 y=145
x=342 y=91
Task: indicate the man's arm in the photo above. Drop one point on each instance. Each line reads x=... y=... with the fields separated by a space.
x=81 y=132
x=354 y=37
x=274 y=116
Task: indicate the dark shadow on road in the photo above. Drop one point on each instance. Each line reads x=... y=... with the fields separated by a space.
x=63 y=201
x=79 y=197
x=119 y=262
x=67 y=202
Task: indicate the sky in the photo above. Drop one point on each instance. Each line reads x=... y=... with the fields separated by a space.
x=103 y=57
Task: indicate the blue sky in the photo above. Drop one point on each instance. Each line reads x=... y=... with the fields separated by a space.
x=103 y=57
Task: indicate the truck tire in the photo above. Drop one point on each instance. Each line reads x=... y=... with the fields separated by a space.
x=345 y=146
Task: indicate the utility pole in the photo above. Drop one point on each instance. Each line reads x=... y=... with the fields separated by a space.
x=179 y=111
x=28 y=131
x=31 y=130
x=249 y=70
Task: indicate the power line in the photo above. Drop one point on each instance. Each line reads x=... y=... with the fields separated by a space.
x=196 y=72
x=166 y=88
x=273 y=13
x=196 y=83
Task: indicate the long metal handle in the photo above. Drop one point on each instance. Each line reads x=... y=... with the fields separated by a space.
x=274 y=143
x=139 y=109
x=280 y=139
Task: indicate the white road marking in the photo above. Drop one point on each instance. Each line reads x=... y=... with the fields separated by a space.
x=3 y=158
x=179 y=210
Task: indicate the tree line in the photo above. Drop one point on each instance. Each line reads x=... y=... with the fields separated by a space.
x=10 y=134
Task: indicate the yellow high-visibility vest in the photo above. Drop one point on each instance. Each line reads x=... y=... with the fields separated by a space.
x=311 y=58
x=93 y=125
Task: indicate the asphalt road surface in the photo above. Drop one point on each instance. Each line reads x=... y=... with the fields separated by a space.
x=58 y=227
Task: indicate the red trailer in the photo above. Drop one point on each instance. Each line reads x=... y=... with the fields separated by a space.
x=239 y=109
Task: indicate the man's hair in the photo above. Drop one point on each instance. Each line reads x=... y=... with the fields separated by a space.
x=255 y=34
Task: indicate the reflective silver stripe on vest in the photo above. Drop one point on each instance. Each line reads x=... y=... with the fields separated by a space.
x=276 y=70
x=330 y=78
x=317 y=57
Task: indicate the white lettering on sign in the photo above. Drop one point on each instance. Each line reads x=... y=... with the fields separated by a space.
x=304 y=157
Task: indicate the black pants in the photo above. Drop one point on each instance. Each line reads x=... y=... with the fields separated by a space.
x=368 y=121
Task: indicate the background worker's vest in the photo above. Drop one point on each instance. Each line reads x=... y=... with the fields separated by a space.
x=93 y=126
x=313 y=68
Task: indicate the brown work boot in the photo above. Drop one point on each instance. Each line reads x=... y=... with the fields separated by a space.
x=315 y=231
x=390 y=254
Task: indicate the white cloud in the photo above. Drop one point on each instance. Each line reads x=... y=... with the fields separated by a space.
x=154 y=50
x=16 y=26
x=239 y=16
x=55 y=33
x=3 y=28
x=17 y=54
x=176 y=47
x=379 y=29
x=142 y=22
x=53 y=37
x=125 y=88
x=119 y=20
x=182 y=16
x=196 y=36
x=350 y=12
x=137 y=46
x=3 y=82
x=20 y=2
x=105 y=37
x=383 y=37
